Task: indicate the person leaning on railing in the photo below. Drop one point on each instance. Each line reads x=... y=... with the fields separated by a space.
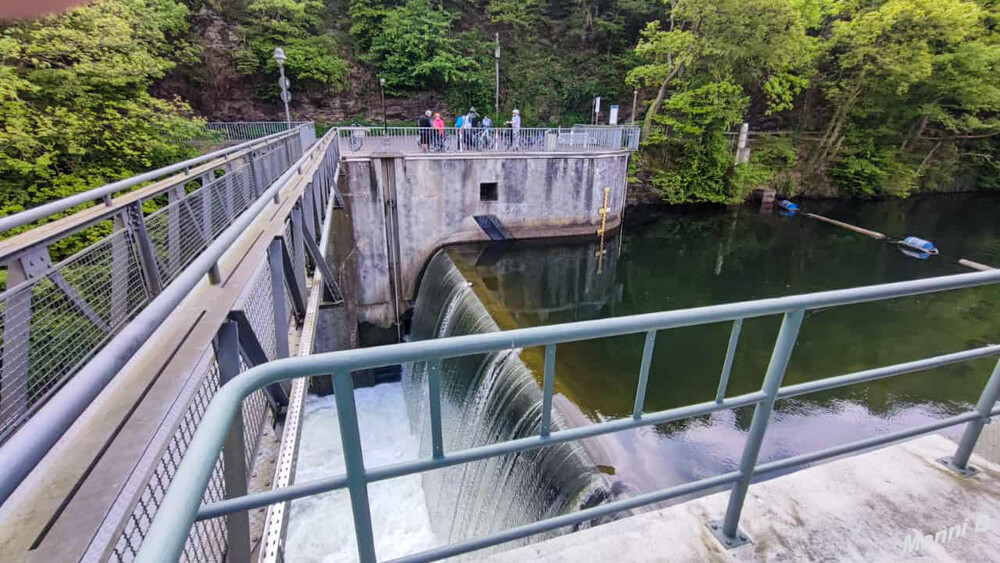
x=425 y=130
x=438 y=132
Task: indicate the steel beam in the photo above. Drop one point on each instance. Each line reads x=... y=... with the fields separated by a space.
x=227 y=354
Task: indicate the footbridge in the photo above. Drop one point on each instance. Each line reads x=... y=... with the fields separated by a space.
x=128 y=307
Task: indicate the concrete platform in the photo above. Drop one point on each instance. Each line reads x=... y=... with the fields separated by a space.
x=857 y=509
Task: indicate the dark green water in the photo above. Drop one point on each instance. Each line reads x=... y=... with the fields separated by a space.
x=669 y=259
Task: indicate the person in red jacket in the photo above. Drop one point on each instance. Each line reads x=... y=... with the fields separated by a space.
x=438 y=125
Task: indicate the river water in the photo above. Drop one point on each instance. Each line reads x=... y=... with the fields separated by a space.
x=662 y=259
x=670 y=259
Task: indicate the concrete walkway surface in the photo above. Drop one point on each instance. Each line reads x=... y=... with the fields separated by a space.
x=855 y=509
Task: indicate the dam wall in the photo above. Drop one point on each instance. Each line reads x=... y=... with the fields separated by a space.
x=401 y=208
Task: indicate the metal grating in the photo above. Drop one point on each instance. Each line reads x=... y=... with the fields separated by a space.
x=208 y=539
x=51 y=324
x=260 y=311
x=182 y=230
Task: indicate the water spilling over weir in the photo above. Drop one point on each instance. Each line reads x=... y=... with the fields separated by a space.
x=489 y=398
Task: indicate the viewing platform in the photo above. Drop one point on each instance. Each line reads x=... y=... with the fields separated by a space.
x=372 y=141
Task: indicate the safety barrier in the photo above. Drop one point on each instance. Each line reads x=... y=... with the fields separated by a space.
x=250 y=130
x=379 y=140
x=182 y=505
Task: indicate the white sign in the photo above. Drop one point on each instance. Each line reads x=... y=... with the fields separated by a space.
x=613 y=116
x=286 y=96
x=283 y=82
x=597 y=104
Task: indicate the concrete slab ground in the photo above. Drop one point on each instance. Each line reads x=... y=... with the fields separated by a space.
x=856 y=509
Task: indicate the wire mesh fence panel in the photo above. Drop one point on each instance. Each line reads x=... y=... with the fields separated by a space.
x=250 y=130
x=207 y=542
x=180 y=231
x=260 y=311
x=52 y=323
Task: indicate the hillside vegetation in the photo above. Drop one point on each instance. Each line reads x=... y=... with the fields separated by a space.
x=852 y=97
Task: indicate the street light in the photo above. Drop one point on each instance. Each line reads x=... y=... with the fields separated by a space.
x=286 y=96
x=381 y=84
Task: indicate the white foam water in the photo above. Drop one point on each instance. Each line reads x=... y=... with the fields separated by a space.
x=321 y=528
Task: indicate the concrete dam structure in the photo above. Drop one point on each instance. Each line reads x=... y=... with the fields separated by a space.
x=402 y=208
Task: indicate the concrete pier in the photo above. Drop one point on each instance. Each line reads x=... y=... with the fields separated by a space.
x=868 y=508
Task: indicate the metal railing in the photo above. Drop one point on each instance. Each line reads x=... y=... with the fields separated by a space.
x=378 y=140
x=270 y=304
x=181 y=507
x=57 y=318
x=250 y=130
x=53 y=317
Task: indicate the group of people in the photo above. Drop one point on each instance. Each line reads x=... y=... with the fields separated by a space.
x=475 y=132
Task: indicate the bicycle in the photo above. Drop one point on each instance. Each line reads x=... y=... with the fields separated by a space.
x=356 y=139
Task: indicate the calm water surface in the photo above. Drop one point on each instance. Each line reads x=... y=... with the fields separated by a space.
x=669 y=259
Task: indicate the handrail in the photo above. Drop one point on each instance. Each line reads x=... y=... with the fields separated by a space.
x=25 y=448
x=180 y=507
x=51 y=208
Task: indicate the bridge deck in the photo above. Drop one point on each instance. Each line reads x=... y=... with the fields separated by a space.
x=857 y=509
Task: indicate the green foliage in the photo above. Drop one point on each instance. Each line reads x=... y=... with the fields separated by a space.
x=521 y=14
x=698 y=150
x=416 y=49
x=366 y=21
x=74 y=102
x=296 y=26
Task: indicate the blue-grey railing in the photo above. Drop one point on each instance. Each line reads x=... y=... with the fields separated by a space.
x=181 y=505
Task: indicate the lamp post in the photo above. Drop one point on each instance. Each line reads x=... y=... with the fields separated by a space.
x=496 y=57
x=286 y=96
x=635 y=98
x=381 y=84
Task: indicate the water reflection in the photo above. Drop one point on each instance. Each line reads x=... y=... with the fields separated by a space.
x=669 y=260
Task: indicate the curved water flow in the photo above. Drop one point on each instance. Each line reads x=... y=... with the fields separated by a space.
x=488 y=398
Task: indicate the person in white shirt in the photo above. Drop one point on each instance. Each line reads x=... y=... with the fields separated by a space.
x=515 y=129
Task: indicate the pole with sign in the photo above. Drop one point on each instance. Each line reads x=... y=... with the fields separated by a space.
x=597 y=108
x=283 y=83
x=613 y=116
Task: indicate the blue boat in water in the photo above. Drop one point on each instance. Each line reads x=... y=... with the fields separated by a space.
x=788 y=206
x=917 y=245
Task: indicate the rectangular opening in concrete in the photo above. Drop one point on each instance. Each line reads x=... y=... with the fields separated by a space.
x=487 y=191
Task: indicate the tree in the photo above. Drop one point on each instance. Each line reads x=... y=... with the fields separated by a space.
x=698 y=155
x=296 y=26
x=758 y=44
x=75 y=106
x=925 y=62
x=416 y=49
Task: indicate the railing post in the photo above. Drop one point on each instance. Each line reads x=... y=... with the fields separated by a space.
x=274 y=257
x=727 y=365
x=548 y=384
x=647 y=358
x=255 y=174
x=298 y=245
x=227 y=354
x=174 y=196
x=959 y=462
x=727 y=532
x=120 y=250
x=357 y=484
x=17 y=336
x=434 y=398
x=147 y=257
x=229 y=183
